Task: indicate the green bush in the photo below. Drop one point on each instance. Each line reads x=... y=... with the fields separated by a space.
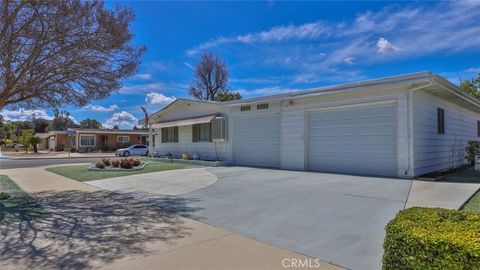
x=432 y=238
x=472 y=151
x=100 y=165
x=106 y=161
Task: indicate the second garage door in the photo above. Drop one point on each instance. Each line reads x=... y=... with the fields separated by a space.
x=257 y=140
x=354 y=140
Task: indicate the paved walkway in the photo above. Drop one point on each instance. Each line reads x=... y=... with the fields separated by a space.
x=440 y=194
x=172 y=182
x=92 y=228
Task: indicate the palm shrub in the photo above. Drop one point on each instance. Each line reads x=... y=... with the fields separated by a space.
x=472 y=151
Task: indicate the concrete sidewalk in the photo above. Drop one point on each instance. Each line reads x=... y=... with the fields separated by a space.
x=200 y=246
x=172 y=182
x=440 y=194
x=57 y=155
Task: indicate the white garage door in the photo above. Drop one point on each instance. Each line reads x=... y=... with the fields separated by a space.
x=356 y=140
x=257 y=140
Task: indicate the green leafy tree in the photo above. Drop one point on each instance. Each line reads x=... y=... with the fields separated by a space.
x=472 y=86
x=34 y=141
x=90 y=123
x=26 y=137
x=61 y=121
x=40 y=125
x=226 y=96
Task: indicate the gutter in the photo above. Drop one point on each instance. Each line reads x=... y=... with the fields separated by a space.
x=410 y=167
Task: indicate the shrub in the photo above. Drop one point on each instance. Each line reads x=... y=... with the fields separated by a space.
x=4 y=196
x=136 y=162
x=100 y=165
x=115 y=163
x=106 y=161
x=472 y=150
x=432 y=238
x=126 y=163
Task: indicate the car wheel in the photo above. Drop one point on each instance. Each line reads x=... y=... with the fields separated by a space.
x=126 y=154
x=146 y=154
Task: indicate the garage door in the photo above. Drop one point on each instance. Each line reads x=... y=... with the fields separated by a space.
x=355 y=140
x=257 y=140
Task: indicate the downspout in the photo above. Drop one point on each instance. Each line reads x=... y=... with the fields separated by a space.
x=410 y=166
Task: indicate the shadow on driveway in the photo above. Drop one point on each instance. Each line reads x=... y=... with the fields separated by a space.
x=76 y=229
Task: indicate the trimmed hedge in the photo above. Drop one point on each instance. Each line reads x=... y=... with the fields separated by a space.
x=432 y=238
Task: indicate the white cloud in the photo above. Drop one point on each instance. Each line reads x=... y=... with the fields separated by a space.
x=23 y=115
x=189 y=66
x=122 y=119
x=142 y=88
x=349 y=60
x=158 y=98
x=384 y=46
x=98 y=108
x=276 y=34
x=411 y=31
x=143 y=76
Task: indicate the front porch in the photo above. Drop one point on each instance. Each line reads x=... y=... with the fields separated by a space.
x=188 y=140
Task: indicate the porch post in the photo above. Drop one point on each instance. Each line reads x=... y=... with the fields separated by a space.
x=151 y=147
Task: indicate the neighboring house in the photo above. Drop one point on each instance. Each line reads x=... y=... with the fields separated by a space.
x=86 y=140
x=400 y=126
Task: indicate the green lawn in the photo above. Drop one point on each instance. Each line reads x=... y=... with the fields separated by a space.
x=20 y=206
x=80 y=172
x=473 y=205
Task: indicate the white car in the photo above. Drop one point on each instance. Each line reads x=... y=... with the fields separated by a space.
x=134 y=150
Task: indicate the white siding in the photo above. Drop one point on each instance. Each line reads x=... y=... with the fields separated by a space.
x=185 y=144
x=433 y=151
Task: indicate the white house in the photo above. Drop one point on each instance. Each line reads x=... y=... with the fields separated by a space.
x=400 y=126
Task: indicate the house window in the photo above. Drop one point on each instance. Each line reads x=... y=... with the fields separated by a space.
x=202 y=132
x=478 y=128
x=170 y=135
x=87 y=140
x=262 y=106
x=245 y=108
x=440 y=121
x=123 y=139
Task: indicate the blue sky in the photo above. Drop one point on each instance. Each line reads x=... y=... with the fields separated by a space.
x=274 y=47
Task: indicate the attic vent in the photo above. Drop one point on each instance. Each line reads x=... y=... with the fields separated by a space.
x=262 y=106
x=245 y=108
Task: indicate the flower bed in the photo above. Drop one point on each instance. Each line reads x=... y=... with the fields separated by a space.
x=123 y=164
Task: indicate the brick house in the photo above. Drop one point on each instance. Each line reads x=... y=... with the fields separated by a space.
x=88 y=140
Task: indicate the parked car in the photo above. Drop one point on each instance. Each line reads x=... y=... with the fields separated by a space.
x=13 y=145
x=134 y=150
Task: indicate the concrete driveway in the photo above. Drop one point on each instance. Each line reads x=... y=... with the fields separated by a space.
x=337 y=218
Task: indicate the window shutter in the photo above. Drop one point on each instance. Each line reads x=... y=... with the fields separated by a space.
x=194 y=133
x=175 y=134
x=164 y=135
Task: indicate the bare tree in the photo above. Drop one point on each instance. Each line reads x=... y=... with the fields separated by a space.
x=210 y=77
x=63 y=52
